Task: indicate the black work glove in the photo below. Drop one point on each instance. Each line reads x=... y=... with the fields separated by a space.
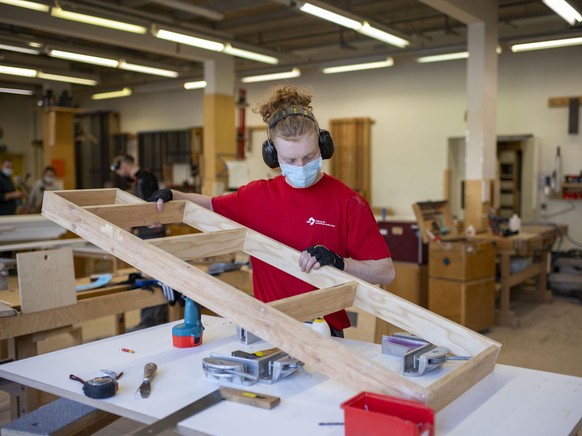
x=326 y=257
x=165 y=194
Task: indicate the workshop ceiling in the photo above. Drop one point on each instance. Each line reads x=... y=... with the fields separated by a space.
x=272 y=27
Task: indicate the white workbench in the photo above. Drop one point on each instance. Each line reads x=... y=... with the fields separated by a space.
x=508 y=402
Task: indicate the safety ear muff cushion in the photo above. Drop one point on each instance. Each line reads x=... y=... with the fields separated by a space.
x=270 y=154
x=326 y=144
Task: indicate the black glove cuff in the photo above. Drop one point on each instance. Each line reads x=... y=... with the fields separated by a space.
x=164 y=194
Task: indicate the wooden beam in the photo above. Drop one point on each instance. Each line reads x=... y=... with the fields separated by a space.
x=317 y=303
x=90 y=197
x=562 y=101
x=279 y=329
x=137 y=215
x=84 y=310
x=189 y=247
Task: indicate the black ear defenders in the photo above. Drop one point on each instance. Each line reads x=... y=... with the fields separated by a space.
x=326 y=146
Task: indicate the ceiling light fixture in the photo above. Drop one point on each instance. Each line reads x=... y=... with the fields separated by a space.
x=443 y=57
x=28 y=5
x=546 y=44
x=199 y=84
x=123 y=65
x=97 y=21
x=295 y=72
x=79 y=57
x=66 y=78
x=324 y=14
x=188 y=40
x=125 y=92
x=16 y=91
x=564 y=10
x=388 y=62
x=230 y=50
x=19 y=49
x=17 y=71
x=362 y=27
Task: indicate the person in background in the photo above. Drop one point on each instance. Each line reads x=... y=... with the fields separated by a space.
x=9 y=196
x=144 y=183
x=303 y=207
x=47 y=183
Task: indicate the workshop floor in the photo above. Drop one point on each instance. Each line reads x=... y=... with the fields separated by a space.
x=548 y=339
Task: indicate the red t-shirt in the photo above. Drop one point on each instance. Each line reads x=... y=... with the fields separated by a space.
x=328 y=213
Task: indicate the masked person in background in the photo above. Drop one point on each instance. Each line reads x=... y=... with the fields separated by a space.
x=144 y=183
x=9 y=196
x=47 y=183
x=303 y=208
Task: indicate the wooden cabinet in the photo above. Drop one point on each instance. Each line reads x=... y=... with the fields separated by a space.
x=509 y=182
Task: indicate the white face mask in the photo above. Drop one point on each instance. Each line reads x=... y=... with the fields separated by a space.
x=7 y=172
x=302 y=177
x=49 y=180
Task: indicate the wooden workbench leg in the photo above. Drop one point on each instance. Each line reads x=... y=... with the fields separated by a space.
x=26 y=399
x=543 y=295
x=504 y=316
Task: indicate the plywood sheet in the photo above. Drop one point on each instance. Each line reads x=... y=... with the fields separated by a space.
x=46 y=279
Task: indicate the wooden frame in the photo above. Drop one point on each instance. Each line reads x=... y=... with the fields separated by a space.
x=101 y=215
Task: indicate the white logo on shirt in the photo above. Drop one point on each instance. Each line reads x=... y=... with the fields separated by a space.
x=312 y=221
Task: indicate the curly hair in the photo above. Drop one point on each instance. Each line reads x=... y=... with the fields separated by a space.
x=282 y=97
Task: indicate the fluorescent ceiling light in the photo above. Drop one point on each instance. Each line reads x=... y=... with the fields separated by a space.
x=324 y=14
x=17 y=71
x=443 y=57
x=564 y=10
x=16 y=91
x=195 y=85
x=27 y=5
x=96 y=60
x=19 y=49
x=148 y=70
x=66 y=78
x=230 y=50
x=295 y=72
x=113 y=94
x=362 y=27
x=97 y=21
x=188 y=40
x=388 y=62
x=546 y=44
x=380 y=35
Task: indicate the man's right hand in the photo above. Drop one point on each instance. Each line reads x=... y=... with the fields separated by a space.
x=160 y=197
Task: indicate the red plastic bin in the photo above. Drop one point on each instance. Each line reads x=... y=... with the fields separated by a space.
x=373 y=414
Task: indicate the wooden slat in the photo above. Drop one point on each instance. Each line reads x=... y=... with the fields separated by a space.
x=317 y=303
x=90 y=197
x=189 y=247
x=322 y=353
x=140 y=214
x=84 y=310
x=562 y=101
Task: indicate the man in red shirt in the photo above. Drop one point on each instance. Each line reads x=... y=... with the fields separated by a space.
x=303 y=208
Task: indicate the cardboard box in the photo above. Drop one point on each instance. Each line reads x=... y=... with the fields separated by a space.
x=463 y=259
x=471 y=304
x=410 y=283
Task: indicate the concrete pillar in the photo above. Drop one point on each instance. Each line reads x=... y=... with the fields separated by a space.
x=219 y=137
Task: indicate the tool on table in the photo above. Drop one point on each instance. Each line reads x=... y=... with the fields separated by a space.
x=267 y=366
x=419 y=356
x=189 y=333
x=245 y=337
x=223 y=393
x=100 y=387
x=149 y=372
